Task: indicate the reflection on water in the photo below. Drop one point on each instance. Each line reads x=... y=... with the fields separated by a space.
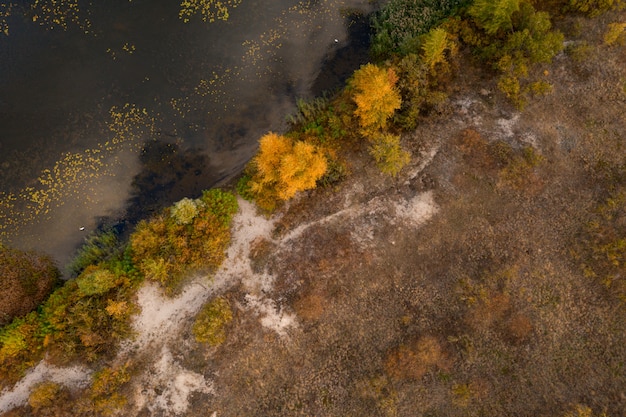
x=77 y=106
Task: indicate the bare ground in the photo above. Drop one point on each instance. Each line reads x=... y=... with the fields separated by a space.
x=453 y=289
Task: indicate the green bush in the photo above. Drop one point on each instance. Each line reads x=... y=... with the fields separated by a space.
x=104 y=394
x=593 y=8
x=43 y=396
x=389 y=155
x=211 y=322
x=21 y=345
x=84 y=318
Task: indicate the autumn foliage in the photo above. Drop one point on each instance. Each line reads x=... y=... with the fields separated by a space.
x=27 y=279
x=283 y=168
x=376 y=97
x=191 y=235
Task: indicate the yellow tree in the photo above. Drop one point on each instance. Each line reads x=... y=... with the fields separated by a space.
x=300 y=169
x=436 y=47
x=376 y=97
x=284 y=168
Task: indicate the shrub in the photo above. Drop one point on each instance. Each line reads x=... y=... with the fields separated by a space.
x=78 y=321
x=520 y=169
x=602 y=249
x=20 y=346
x=43 y=395
x=104 y=395
x=27 y=279
x=184 y=211
x=211 y=322
x=376 y=97
x=615 y=34
x=593 y=8
x=98 y=247
x=414 y=361
x=389 y=155
x=96 y=281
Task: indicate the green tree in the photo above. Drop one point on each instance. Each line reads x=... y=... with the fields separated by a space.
x=389 y=155
x=494 y=16
x=437 y=47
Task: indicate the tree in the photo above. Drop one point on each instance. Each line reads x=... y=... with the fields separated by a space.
x=27 y=279
x=494 y=16
x=436 y=47
x=376 y=97
x=284 y=168
x=389 y=155
x=300 y=169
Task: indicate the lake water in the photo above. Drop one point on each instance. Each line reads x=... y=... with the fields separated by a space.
x=129 y=108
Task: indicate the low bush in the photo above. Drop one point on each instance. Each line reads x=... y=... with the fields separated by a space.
x=43 y=396
x=104 y=397
x=98 y=247
x=211 y=322
x=389 y=155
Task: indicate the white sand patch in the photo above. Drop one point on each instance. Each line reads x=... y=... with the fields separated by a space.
x=271 y=317
x=74 y=377
x=418 y=210
x=167 y=386
x=247 y=228
x=506 y=126
x=162 y=316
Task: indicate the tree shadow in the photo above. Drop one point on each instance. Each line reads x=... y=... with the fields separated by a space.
x=168 y=174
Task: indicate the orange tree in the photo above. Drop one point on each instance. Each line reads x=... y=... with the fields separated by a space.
x=283 y=167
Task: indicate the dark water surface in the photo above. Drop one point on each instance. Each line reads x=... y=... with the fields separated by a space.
x=113 y=118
